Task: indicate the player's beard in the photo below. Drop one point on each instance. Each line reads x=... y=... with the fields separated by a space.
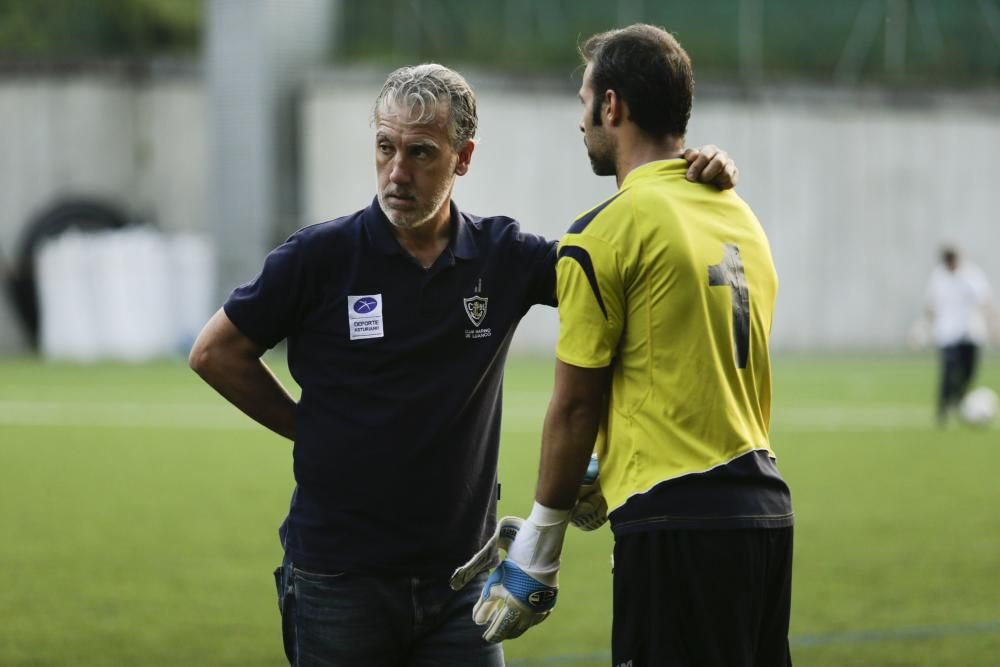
x=601 y=151
x=422 y=213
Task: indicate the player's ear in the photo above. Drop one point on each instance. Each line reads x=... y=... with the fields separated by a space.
x=613 y=108
x=464 y=157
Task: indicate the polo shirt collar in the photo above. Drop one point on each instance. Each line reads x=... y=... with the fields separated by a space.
x=462 y=243
x=379 y=230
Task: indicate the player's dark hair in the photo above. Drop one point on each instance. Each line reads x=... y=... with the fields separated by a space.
x=649 y=70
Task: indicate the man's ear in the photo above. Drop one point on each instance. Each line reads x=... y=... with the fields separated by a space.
x=464 y=157
x=613 y=108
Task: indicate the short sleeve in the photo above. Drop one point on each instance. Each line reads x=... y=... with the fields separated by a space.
x=540 y=259
x=267 y=309
x=591 y=293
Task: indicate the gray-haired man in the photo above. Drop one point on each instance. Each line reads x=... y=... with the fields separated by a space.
x=398 y=320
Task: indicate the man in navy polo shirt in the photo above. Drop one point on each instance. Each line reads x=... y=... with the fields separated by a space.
x=398 y=320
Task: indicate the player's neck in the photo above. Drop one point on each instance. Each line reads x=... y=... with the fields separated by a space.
x=638 y=149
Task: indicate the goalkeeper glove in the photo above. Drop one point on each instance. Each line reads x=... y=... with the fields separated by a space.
x=513 y=601
x=522 y=591
x=508 y=614
x=591 y=510
x=489 y=556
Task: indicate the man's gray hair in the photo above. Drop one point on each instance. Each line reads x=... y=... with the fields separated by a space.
x=425 y=90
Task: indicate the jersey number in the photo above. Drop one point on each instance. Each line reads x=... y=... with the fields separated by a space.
x=729 y=273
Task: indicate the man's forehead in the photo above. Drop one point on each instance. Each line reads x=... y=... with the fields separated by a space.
x=412 y=120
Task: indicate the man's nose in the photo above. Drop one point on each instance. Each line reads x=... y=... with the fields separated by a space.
x=399 y=173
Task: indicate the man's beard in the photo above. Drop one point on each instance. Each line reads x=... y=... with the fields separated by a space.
x=419 y=216
x=601 y=153
x=603 y=165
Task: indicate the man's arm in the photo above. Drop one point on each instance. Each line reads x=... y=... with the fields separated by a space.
x=230 y=363
x=711 y=164
x=568 y=435
x=706 y=164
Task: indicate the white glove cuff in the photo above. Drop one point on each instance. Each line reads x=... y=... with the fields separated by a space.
x=539 y=541
x=544 y=517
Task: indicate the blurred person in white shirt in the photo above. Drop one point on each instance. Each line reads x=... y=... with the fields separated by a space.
x=958 y=309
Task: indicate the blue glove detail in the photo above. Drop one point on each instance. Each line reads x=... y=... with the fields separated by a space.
x=590 y=476
x=513 y=601
x=522 y=586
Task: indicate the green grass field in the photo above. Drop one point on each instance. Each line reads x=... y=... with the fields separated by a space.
x=139 y=513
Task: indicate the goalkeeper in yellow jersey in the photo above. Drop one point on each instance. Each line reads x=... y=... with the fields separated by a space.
x=666 y=294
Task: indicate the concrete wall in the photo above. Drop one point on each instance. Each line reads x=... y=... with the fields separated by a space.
x=856 y=191
x=142 y=144
x=139 y=144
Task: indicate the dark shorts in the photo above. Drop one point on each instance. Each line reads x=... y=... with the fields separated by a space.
x=702 y=598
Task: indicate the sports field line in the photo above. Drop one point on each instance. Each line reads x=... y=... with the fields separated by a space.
x=807 y=641
x=124 y=415
x=523 y=411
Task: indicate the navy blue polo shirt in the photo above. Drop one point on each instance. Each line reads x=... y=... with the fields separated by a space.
x=401 y=371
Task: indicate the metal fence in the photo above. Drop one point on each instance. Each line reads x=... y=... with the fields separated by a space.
x=899 y=42
x=951 y=42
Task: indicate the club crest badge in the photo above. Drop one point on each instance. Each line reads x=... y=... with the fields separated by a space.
x=475 y=308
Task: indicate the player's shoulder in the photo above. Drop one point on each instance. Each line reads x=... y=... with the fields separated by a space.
x=608 y=229
x=608 y=211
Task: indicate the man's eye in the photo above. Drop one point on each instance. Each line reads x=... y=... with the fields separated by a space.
x=384 y=148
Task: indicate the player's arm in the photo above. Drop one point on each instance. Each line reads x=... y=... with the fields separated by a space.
x=711 y=164
x=231 y=364
x=992 y=315
x=522 y=591
x=989 y=311
x=569 y=432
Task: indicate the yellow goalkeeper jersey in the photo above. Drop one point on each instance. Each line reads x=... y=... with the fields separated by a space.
x=672 y=284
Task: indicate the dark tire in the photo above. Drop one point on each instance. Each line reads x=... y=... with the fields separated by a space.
x=81 y=214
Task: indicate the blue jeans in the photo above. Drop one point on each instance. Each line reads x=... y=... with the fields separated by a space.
x=347 y=620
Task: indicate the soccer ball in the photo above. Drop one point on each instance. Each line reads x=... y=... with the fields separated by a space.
x=979 y=407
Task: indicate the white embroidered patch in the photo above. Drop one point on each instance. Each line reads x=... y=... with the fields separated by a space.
x=364 y=316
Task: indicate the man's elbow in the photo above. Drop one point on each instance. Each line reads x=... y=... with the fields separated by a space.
x=217 y=346
x=200 y=357
x=210 y=354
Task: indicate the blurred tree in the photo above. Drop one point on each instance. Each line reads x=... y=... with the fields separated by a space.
x=84 y=29
x=891 y=41
x=899 y=42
